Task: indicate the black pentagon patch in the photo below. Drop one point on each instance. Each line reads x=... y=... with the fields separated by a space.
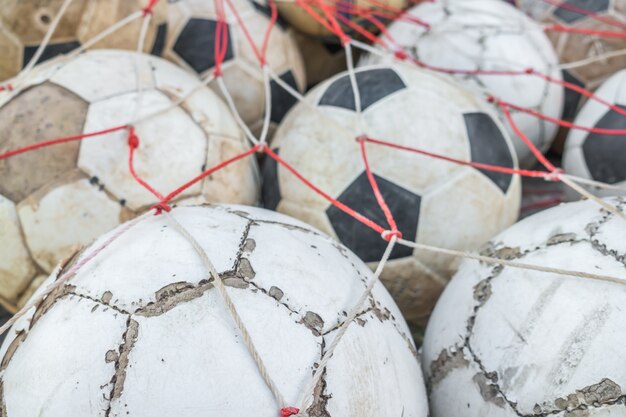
x=4 y=317
x=571 y=15
x=50 y=51
x=488 y=146
x=282 y=100
x=605 y=155
x=159 y=40
x=333 y=47
x=373 y=84
x=267 y=11
x=363 y=241
x=270 y=191
x=572 y=98
x=196 y=44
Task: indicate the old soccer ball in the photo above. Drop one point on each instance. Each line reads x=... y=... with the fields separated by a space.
x=598 y=156
x=359 y=12
x=54 y=198
x=505 y=342
x=142 y=331
x=433 y=201
x=587 y=59
x=191 y=44
x=488 y=35
x=24 y=23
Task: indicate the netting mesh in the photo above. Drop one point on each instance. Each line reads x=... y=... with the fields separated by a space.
x=355 y=26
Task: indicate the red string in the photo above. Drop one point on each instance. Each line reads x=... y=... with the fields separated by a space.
x=330 y=16
x=221 y=38
x=581 y=90
x=314 y=15
x=585 y=31
x=399 y=13
x=542 y=159
x=133 y=144
x=273 y=19
x=260 y=57
x=60 y=140
x=6 y=87
x=289 y=411
x=356 y=215
x=477 y=165
x=208 y=172
x=564 y=123
x=148 y=9
x=354 y=26
x=379 y=197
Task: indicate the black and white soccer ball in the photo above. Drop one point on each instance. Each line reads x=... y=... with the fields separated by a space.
x=597 y=156
x=433 y=201
x=191 y=43
x=488 y=35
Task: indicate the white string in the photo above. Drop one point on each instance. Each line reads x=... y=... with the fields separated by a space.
x=295 y=93
x=235 y=112
x=355 y=89
x=178 y=101
x=593 y=59
x=352 y=76
x=268 y=105
x=311 y=106
x=108 y=31
x=137 y=63
x=46 y=39
x=217 y=282
x=580 y=190
x=307 y=398
x=513 y=264
x=597 y=184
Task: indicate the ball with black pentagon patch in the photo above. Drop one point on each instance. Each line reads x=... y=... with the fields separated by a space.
x=433 y=201
x=24 y=23
x=495 y=37
x=191 y=44
x=598 y=156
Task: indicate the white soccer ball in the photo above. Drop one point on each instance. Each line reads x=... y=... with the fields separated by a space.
x=141 y=330
x=192 y=27
x=489 y=35
x=507 y=342
x=433 y=201
x=598 y=156
x=55 y=198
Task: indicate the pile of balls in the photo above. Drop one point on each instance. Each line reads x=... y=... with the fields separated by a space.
x=310 y=208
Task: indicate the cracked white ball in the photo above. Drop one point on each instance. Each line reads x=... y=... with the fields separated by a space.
x=510 y=342
x=141 y=331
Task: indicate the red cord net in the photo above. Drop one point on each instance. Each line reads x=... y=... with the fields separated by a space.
x=332 y=16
